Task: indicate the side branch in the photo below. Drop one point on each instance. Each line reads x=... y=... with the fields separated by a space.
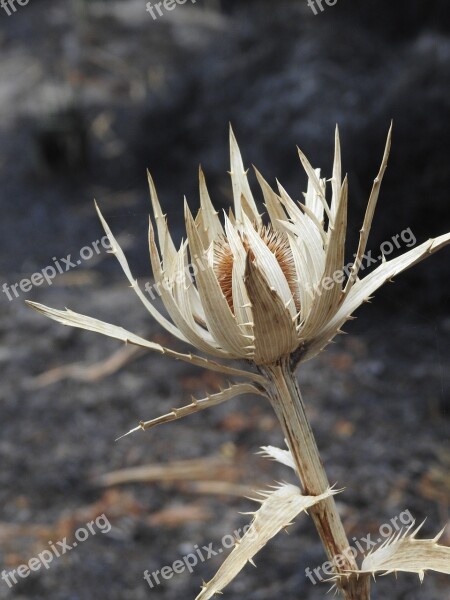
x=198 y=405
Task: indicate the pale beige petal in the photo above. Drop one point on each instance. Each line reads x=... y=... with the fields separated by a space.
x=312 y=212
x=117 y=251
x=319 y=226
x=194 y=333
x=364 y=288
x=313 y=253
x=185 y=292
x=211 y=222
x=305 y=274
x=240 y=184
x=317 y=187
x=368 y=217
x=308 y=230
x=267 y=262
x=330 y=287
x=313 y=200
x=274 y=327
x=241 y=302
x=166 y=244
x=272 y=201
x=336 y=180
x=220 y=320
x=313 y=258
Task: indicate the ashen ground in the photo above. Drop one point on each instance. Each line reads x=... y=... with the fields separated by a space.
x=378 y=401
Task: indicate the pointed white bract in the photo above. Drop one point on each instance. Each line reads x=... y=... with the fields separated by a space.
x=282 y=456
x=404 y=552
x=261 y=292
x=278 y=509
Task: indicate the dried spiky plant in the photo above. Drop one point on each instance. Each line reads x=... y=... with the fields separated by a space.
x=271 y=296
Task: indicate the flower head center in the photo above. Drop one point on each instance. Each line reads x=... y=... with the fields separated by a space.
x=277 y=242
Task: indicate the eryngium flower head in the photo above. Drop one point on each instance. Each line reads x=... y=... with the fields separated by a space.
x=268 y=287
x=261 y=287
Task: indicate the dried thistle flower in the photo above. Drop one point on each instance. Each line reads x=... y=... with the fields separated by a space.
x=271 y=295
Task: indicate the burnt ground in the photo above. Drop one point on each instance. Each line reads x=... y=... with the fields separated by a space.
x=86 y=105
x=378 y=401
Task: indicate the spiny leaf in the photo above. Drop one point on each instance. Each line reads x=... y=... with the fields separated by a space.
x=73 y=319
x=278 y=509
x=404 y=552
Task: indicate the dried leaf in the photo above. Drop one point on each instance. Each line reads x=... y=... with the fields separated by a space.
x=69 y=317
x=278 y=510
x=404 y=552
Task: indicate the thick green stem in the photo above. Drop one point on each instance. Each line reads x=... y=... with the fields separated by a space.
x=288 y=404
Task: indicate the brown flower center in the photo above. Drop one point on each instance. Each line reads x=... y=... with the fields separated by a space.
x=278 y=244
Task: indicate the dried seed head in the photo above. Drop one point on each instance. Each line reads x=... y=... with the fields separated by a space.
x=278 y=244
x=223 y=267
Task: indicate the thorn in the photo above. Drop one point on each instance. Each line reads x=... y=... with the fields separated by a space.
x=128 y=432
x=436 y=539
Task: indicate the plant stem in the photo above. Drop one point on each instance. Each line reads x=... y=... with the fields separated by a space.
x=287 y=402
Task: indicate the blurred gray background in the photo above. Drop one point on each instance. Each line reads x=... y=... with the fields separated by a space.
x=92 y=94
